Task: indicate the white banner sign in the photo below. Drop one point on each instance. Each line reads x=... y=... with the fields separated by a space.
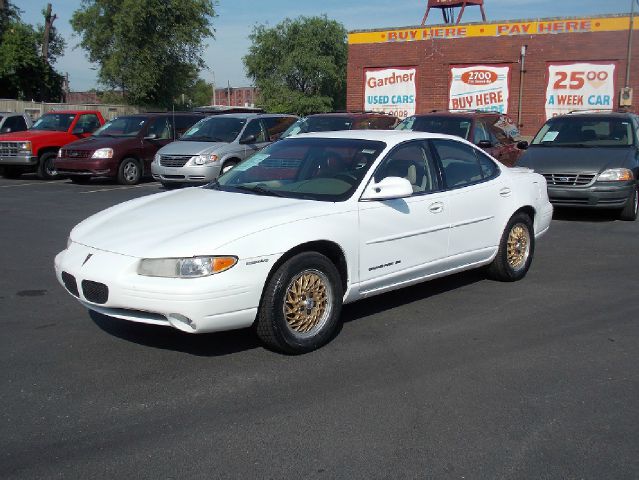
x=391 y=90
x=579 y=86
x=480 y=87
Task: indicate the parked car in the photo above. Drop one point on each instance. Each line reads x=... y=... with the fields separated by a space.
x=14 y=122
x=123 y=148
x=215 y=145
x=311 y=222
x=328 y=122
x=35 y=149
x=496 y=133
x=589 y=160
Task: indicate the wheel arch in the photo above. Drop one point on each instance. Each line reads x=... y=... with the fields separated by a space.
x=328 y=248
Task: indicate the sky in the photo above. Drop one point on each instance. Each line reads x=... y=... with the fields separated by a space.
x=236 y=18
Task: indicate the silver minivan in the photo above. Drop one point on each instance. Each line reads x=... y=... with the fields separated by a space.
x=216 y=144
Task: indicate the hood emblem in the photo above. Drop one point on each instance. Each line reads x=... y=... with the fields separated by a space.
x=87 y=259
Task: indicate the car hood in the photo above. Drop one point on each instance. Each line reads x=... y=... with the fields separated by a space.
x=27 y=135
x=192 y=148
x=574 y=160
x=190 y=222
x=93 y=143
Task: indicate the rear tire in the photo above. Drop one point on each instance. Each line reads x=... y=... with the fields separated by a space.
x=516 y=250
x=301 y=304
x=129 y=172
x=11 y=172
x=629 y=212
x=80 y=179
x=46 y=166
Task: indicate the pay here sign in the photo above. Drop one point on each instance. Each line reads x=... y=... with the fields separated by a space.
x=391 y=90
x=579 y=86
x=480 y=87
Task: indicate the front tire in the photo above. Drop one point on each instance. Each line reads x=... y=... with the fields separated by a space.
x=629 y=212
x=46 y=166
x=516 y=250
x=301 y=304
x=129 y=172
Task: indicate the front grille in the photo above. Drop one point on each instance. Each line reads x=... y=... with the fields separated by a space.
x=70 y=283
x=95 y=292
x=9 y=149
x=174 y=160
x=76 y=153
x=569 y=179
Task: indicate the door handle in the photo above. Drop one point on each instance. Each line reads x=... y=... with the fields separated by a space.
x=505 y=192
x=436 y=207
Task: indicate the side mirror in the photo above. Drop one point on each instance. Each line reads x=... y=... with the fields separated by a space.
x=485 y=144
x=388 y=188
x=151 y=136
x=523 y=145
x=248 y=139
x=6 y=130
x=78 y=131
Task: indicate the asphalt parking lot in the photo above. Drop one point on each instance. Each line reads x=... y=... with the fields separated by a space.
x=456 y=378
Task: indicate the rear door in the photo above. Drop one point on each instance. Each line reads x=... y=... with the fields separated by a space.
x=158 y=133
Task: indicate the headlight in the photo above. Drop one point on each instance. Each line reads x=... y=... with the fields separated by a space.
x=69 y=242
x=156 y=158
x=615 y=175
x=103 y=153
x=193 y=267
x=204 y=159
x=60 y=153
x=24 y=147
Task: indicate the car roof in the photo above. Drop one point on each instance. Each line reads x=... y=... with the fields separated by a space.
x=461 y=113
x=252 y=115
x=591 y=113
x=157 y=114
x=388 y=136
x=349 y=114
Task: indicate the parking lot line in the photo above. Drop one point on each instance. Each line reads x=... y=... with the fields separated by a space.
x=119 y=188
x=54 y=182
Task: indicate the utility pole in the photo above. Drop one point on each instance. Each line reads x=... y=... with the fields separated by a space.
x=48 y=24
x=629 y=50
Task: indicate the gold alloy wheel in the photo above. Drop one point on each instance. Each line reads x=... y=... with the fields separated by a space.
x=308 y=302
x=518 y=247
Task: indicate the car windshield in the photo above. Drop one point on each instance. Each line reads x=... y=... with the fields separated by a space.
x=326 y=169
x=434 y=124
x=578 y=131
x=319 y=123
x=121 y=127
x=214 y=129
x=58 y=122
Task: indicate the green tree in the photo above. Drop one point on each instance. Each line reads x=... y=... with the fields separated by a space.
x=151 y=50
x=299 y=65
x=24 y=74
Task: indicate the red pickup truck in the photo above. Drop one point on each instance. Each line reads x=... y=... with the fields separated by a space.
x=34 y=150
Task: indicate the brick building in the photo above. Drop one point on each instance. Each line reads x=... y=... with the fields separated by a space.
x=236 y=96
x=570 y=64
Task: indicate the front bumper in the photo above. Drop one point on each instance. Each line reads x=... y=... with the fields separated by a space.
x=186 y=174
x=19 y=160
x=88 y=167
x=599 y=195
x=219 y=302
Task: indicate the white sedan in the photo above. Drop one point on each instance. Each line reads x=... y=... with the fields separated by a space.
x=288 y=236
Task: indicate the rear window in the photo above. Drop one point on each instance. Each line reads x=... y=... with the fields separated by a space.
x=434 y=124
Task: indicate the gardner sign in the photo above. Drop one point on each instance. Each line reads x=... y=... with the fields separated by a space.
x=391 y=90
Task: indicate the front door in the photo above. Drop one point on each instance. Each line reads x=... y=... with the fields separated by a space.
x=254 y=137
x=400 y=239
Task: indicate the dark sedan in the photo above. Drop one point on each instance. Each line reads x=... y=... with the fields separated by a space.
x=589 y=160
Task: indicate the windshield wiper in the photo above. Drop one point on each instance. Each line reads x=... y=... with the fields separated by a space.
x=260 y=190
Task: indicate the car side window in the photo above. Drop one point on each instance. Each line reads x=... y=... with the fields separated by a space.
x=488 y=167
x=499 y=135
x=275 y=126
x=256 y=128
x=160 y=128
x=89 y=122
x=480 y=133
x=459 y=162
x=412 y=161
